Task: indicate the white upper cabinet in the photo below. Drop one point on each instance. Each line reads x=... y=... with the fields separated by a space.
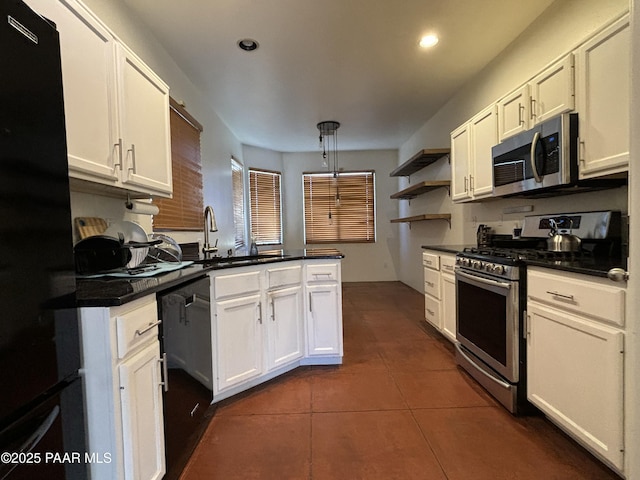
x=484 y=135
x=552 y=91
x=89 y=95
x=602 y=100
x=548 y=94
x=116 y=108
x=460 y=157
x=143 y=101
x=513 y=113
x=472 y=173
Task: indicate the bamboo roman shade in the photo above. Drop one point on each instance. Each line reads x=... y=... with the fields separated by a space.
x=266 y=211
x=339 y=209
x=184 y=210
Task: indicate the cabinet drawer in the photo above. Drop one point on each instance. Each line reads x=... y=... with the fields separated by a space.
x=589 y=296
x=281 y=277
x=136 y=327
x=447 y=263
x=431 y=260
x=432 y=311
x=322 y=273
x=236 y=284
x=432 y=282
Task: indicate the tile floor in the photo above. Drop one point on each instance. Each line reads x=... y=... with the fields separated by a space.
x=398 y=408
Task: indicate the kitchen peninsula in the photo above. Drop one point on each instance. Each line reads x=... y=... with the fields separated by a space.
x=268 y=315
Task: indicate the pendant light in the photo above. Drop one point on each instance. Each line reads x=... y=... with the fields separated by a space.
x=329 y=144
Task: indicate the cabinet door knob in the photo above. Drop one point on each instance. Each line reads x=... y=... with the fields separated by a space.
x=618 y=275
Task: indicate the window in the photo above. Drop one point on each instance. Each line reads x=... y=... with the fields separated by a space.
x=266 y=211
x=237 y=181
x=184 y=210
x=339 y=209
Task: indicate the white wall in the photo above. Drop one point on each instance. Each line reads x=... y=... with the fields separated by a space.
x=558 y=30
x=362 y=262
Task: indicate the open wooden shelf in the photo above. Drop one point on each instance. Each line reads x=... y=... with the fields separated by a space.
x=423 y=217
x=420 y=188
x=420 y=160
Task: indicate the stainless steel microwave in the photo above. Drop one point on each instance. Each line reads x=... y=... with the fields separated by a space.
x=539 y=159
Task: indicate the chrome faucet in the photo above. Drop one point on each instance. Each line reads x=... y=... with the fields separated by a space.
x=209 y=226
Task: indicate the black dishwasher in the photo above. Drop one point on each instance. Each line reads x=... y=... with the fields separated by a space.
x=185 y=340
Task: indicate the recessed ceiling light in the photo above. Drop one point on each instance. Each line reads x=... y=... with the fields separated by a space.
x=248 y=44
x=428 y=41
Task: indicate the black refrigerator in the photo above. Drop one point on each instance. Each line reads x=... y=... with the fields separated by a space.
x=41 y=402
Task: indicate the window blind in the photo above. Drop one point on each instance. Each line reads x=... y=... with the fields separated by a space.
x=237 y=180
x=265 y=204
x=339 y=209
x=184 y=210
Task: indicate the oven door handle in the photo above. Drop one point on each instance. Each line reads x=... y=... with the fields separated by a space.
x=486 y=281
x=480 y=369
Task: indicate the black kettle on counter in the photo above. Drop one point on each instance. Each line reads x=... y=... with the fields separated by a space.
x=483 y=236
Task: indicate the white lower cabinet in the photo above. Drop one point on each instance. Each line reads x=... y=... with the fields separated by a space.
x=142 y=415
x=449 y=306
x=238 y=340
x=324 y=307
x=123 y=396
x=323 y=312
x=440 y=291
x=285 y=328
x=270 y=319
x=575 y=367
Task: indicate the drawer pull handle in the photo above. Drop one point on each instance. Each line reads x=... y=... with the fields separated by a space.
x=148 y=327
x=558 y=294
x=431 y=312
x=431 y=284
x=327 y=275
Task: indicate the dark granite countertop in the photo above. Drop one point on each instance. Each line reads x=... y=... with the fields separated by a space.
x=112 y=291
x=447 y=248
x=597 y=267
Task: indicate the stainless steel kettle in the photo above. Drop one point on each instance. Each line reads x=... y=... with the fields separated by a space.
x=562 y=242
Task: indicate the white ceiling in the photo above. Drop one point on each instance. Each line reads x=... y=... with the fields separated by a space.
x=354 y=61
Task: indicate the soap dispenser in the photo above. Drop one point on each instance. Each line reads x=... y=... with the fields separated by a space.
x=253 y=250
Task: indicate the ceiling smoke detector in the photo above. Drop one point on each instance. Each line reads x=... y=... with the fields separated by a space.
x=247 y=44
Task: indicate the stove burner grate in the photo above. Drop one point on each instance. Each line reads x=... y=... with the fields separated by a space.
x=495 y=254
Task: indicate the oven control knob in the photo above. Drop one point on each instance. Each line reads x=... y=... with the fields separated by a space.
x=498 y=269
x=466 y=262
x=489 y=267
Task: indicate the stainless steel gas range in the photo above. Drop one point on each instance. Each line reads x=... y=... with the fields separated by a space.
x=491 y=298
